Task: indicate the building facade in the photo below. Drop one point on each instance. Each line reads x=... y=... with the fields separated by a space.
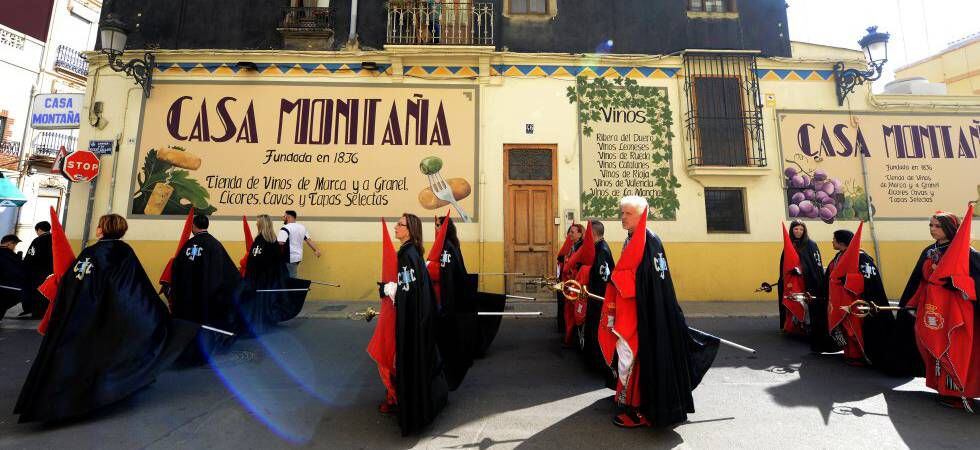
x=530 y=114
x=41 y=49
x=956 y=66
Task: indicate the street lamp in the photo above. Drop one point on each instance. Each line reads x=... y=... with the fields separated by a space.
x=875 y=47
x=114 y=33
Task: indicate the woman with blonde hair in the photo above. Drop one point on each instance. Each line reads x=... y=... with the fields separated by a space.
x=265 y=269
x=108 y=336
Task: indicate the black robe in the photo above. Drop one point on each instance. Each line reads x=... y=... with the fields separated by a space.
x=487 y=326
x=419 y=379
x=457 y=315
x=602 y=267
x=204 y=278
x=203 y=285
x=39 y=263
x=265 y=268
x=12 y=274
x=876 y=328
x=109 y=335
x=813 y=276
x=672 y=357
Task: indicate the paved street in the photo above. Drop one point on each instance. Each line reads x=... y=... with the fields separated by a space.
x=311 y=384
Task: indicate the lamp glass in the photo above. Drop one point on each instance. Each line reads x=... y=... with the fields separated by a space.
x=113 y=39
x=876 y=51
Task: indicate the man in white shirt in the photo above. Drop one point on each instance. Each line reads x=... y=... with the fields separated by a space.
x=292 y=235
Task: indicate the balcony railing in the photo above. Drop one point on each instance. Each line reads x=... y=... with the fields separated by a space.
x=446 y=22
x=47 y=144
x=71 y=61
x=9 y=155
x=305 y=19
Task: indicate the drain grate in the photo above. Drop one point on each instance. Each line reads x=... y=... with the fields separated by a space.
x=332 y=308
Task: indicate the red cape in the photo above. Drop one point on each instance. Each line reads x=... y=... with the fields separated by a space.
x=847 y=286
x=620 y=304
x=382 y=344
x=435 y=253
x=945 y=315
x=793 y=283
x=248 y=245
x=584 y=257
x=63 y=257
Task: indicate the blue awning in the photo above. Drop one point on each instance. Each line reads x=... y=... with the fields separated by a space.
x=9 y=194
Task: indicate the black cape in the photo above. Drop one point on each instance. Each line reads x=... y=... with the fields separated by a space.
x=672 y=357
x=602 y=267
x=109 y=335
x=487 y=326
x=876 y=328
x=457 y=315
x=266 y=269
x=419 y=379
x=39 y=263
x=204 y=278
x=12 y=274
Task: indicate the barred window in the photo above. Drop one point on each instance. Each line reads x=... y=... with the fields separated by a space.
x=725 y=210
x=724 y=116
x=528 y=6
x=711 y=5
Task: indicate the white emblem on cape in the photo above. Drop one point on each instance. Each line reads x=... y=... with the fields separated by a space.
x=660 y=263
x=868 y=270
x=445 y=259
x=406 y=277
x=604 y=272
x=82 y=268
x=193 y=252
x=257 y=251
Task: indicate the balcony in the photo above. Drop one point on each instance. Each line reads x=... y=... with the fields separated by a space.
x=47 y=143
x=305 y=28
x=447 y=22
x=71 y=61
x=9 y=155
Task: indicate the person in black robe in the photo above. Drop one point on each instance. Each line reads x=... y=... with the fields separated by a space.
x=672 y=358
x=39 y=264
x=420 y=383
x=265 y=269
x=813 y=273
x=109 y=334
x=602 y=268
x=876 y=328
x=457 y=311
x=203 y=285
x=12 y=274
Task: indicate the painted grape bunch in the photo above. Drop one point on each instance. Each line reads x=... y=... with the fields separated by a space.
x=813 y=196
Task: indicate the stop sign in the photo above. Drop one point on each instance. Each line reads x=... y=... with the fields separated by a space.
x=81 y=165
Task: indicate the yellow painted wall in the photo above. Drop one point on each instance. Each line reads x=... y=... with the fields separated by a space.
x=958 y=67
x=705 y=266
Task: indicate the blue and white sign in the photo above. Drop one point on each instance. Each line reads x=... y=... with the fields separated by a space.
x=56 y=111
x=101 y=147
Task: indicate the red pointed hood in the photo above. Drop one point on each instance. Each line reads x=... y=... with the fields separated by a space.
x=851 y=259
x=248 y=244
x=184 y=236
x=63 y=257
x=633 y=253
x=791 y=259
x=955 y=264
x=436 y=251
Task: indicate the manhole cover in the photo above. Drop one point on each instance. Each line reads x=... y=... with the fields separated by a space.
x=330 y=308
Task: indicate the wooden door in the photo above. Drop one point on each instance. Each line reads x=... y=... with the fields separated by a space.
x=529 y=212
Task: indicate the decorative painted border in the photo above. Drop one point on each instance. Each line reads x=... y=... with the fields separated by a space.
x=506 y=70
